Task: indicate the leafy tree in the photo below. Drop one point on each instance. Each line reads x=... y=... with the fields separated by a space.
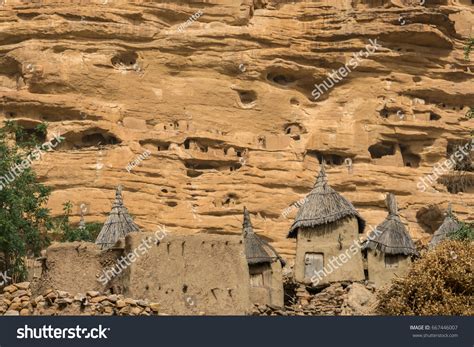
x=69 y=233
x=24 y=219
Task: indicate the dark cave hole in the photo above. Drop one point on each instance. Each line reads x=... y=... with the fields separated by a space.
x=127 y=58
x=247 y=96
x=96 y=139
x=410 y=159
x=381 y=149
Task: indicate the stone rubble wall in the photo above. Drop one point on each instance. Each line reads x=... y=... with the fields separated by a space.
x=335 y=300
x=17 y=300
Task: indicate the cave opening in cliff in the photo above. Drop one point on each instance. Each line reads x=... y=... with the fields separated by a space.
x=384 y=113
x=29 y=131
x=458 y=182
x=9 y=67
x=460 y=152
x=88 y=138
x=124 y=59
x=329 y=158
x=280 y=78
x=247 y=96
x=235 y=167
x=28 y=135
x=382 y=149
x=193 y=173
x=151 y=144
x=430 y=218
x=230 y=199
x=410 y=159
x=97 y=139
x=294 y=129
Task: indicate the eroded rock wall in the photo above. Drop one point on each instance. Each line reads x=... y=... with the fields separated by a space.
x=225 y=105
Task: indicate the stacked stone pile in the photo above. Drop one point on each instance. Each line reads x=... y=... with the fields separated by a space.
x=17 y=299
x=335 y=300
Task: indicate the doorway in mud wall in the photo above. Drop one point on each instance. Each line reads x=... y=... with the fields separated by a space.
x=313 y=262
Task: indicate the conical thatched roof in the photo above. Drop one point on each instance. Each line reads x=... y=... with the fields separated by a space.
x=323 y=205
x=450 y=224
x=391 y=236
x=257 y=250
x=118 y=224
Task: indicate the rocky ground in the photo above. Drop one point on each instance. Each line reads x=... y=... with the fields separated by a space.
x=17 y=300
x=335 y=300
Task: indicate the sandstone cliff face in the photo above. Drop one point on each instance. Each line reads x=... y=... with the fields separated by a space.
x=224 y=105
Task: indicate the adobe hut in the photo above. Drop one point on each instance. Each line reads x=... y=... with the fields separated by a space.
x=118 y=224
x=327 y=229
x=450 y=224
x=389 y=247
x=265 y=267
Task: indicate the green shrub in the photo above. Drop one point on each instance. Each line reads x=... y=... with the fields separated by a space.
x=89 y=233
x=68 y=233
x=464 y=233
x=468 y=48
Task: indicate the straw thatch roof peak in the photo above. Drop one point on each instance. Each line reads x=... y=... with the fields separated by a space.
x=324 y=205
x=257 y=250
x=118 y=224
x=449 y=225
x=391 y=203
x=247 y=223
x=391 y=236
x=322 y=178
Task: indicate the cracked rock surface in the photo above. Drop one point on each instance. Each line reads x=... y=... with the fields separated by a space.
x=225 y=106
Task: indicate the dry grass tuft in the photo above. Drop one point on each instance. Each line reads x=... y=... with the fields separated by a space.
x=440 y=283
